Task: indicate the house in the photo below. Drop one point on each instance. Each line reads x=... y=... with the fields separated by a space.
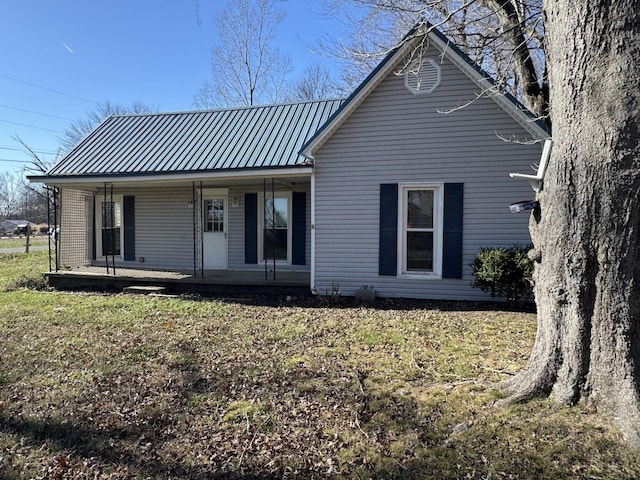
x=396 y=187
x=16 y=227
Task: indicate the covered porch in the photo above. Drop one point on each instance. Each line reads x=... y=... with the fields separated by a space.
x=206 y=283
x=211 y=235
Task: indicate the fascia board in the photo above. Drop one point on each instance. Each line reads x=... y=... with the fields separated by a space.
x=360 y=94
x=451 y=52
x=504 y=100
x=71 y=180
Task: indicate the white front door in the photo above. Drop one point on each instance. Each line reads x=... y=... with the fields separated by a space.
x=214 y=235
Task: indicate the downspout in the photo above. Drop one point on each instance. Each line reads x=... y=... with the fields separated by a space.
x=49 y=224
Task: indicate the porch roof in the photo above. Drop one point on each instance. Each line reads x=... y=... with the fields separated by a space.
x=198 y=142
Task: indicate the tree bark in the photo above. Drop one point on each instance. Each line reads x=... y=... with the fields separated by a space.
x=586 y=232
x=535 y=92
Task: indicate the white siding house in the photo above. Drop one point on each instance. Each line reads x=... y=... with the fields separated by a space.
x=391 y=150
x=397 y=187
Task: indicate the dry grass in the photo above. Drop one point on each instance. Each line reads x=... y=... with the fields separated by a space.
x=114 y=386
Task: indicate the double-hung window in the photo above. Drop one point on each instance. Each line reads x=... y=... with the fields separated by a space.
x=276 y=227
x=421 y=230
x=110 y=226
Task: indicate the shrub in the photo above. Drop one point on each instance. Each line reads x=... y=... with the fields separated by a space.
x=504 y=272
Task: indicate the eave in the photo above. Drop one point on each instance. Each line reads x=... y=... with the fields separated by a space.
x=171 y=178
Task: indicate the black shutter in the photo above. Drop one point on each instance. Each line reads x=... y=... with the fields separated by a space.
x=129 y=221
x=298 y=218
x=250 y=228
x=388 y=248
x=93 y=229
x=452 y=234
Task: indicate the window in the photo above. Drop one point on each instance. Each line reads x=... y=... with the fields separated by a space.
x=276 y=226
x=421 y=229
x=111 y=222
x=214 y=215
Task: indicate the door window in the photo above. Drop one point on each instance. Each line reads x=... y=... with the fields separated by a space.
x=214 y=215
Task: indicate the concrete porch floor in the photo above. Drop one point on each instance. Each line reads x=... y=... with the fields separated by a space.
x=213 y=282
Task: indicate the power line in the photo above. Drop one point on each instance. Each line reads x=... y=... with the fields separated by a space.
x=49 y=89
x=31 y=126
x=37 y=113
x=46 y=152
x=14 y=161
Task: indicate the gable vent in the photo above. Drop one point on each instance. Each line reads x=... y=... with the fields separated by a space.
x=422 y=76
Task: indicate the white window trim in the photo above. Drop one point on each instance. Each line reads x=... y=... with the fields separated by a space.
x=438 y=222
x=289 y=197
x=98 y=230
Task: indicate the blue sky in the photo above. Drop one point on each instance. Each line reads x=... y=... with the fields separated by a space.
x=60 y=58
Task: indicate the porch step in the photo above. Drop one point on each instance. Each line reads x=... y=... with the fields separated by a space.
x=144 y=290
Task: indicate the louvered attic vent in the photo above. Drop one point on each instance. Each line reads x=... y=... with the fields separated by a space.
x=422 y=76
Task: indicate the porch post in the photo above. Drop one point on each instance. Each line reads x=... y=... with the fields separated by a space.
x=200 y=199
x=193 y=218
x=56 y=200
x=273 y=225
x=312 y=283
x=113 y=229
x=104 y=225
x=264 y=225
x=49 y=223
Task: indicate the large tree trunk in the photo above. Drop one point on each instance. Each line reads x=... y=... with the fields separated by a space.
x=586 y=232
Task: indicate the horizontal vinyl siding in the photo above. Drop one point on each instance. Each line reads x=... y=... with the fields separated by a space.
x=236 y=231
x=395 y=136
x=164 y=229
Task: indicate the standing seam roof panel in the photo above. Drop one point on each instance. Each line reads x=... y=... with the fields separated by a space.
x=272 y=149
x=222 y=124
x=173 y=154
x=109 y=143
x=136 y=157
x=235 y=158
x=189 y=146
x=254 y=151
x=237 y=138
x=291 y=115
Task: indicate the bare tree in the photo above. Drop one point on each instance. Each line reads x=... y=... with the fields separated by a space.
x=77 y=130
x=32 y=199
x=505 y=37
x=586 y=229
x=9 y=194
x=246 y=67
x=316 y=83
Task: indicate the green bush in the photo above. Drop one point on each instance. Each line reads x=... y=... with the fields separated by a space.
x=504 y=272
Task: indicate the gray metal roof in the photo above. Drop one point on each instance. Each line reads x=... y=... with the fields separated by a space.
x=199 y=141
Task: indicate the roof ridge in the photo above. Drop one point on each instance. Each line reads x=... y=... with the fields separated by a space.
x=224 y=109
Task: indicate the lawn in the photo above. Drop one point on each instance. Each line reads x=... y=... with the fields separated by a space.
x=15 y=242
x=117 y=386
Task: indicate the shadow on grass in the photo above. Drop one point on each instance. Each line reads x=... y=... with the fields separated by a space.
x=137 y=447
x=106 y=447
